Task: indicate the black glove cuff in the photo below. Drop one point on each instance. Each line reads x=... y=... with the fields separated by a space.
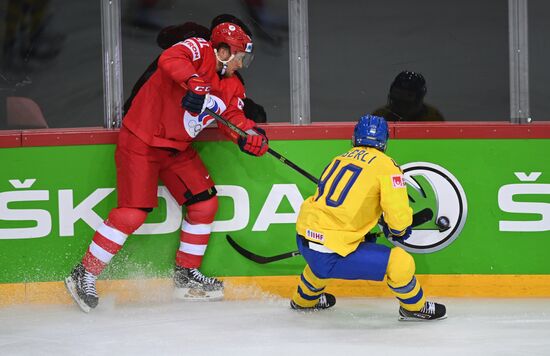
x=261 y=132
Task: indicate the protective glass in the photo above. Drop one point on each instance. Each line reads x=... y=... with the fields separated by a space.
x=404 y=102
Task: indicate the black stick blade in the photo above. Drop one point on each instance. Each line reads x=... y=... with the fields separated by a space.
x=257 y=258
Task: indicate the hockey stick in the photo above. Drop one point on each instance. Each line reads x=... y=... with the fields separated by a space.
x=274 y=153
x=257 y=258
x=419 y=218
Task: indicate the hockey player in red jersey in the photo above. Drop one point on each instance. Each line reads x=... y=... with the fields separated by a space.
x=154 y=143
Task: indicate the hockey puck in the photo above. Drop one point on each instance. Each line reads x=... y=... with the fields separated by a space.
x=443 y=223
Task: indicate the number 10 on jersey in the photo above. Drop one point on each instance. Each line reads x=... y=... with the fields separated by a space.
x=341 y=180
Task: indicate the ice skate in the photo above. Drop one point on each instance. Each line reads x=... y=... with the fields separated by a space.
x=191 y=284
x=81 y=286
x=430 y=311
x=326 y=300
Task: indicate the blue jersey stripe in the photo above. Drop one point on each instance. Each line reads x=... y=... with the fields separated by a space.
x=309 y=286
x=413 y=300
x=405 y=289
x=305 y=296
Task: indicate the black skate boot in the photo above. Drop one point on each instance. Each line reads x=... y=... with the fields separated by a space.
x=81 y=286
x=192 y=285
x=326 y=300
x=430 y=311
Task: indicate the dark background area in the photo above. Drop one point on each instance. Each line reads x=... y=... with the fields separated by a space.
x=52 y=54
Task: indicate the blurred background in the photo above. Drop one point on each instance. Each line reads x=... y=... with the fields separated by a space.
x=52 y=68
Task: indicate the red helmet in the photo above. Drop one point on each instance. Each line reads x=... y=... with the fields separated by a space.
x=233 y=36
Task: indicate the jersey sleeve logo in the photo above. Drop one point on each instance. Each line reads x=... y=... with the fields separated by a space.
x=194 y=124
x=314 y=235
x=193 y=47
x=397 y=181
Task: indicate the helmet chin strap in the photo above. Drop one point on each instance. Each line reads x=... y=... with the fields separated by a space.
x=224 y=63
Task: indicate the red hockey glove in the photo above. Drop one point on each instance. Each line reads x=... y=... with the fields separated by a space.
x=261 y=132
x=193 y=100
x=255 y=145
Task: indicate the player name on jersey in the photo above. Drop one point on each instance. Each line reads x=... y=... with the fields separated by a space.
x=358 y=154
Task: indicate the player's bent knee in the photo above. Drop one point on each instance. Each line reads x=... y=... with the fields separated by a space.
x=192 y=199
x=203 y=212
x=127 y=220
x=401 y=267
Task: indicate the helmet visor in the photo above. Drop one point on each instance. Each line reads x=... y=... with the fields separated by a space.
x=245 y=58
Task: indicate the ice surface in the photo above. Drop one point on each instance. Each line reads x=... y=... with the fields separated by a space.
x=363 y=326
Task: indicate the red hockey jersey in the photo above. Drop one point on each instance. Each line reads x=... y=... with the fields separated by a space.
x=156 y=115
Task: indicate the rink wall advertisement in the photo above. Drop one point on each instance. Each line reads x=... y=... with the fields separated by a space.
x=490 y=199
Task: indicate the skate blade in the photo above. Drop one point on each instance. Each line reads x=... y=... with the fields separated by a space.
x=194 y=295
x=306 y=310
x=405 y=318
x=71 y=288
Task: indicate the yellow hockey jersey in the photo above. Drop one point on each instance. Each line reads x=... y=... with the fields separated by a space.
x=354 y=190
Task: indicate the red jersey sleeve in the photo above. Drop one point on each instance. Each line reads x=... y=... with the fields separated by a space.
x=181 y=61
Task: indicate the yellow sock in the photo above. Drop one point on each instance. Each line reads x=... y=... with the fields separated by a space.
x=402 y=282
x=410 y=296
x=309 y=289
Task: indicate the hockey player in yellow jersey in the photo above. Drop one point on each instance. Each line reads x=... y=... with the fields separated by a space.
x=357 y=190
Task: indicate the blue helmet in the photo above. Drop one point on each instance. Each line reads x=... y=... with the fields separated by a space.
x=371 y=131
